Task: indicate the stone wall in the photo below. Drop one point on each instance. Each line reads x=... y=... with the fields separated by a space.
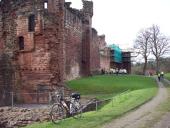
x=86 y=36
x=73 y=42
x=54 y=38
x=81 y=43
x=41 y=60
x=105 y=59
x=6 y=79
x=48 y=44
x=94 y=53
x=1 y=31
x=104 y=54
x=34 y=59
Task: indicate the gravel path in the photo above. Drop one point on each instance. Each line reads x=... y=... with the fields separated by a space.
x=137 y=118
x=165 y=120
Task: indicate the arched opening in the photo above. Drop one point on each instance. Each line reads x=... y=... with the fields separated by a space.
x=21 y=43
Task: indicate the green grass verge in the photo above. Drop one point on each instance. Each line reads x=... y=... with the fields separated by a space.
x=141 y=89
x=167 y=76
x=109 y=85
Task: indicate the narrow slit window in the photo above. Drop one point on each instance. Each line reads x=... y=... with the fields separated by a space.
x=31 y=23
x=45 y=5
x=21 y=43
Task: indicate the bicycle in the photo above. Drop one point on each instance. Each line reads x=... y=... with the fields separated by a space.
x=62 y=109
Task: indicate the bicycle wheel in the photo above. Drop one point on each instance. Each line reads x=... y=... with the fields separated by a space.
x=57 y=113
x=76 y=110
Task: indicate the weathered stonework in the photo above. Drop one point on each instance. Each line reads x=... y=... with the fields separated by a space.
x=104 y=54
x=48 y=44
x=94 y=53
x=73 y=42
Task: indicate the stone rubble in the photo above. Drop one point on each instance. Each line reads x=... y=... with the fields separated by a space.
x=19 y=117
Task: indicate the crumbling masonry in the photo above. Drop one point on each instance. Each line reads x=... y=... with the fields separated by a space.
x=46 y=42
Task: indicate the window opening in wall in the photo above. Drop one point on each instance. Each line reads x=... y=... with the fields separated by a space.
x=31 y=23
x=21 y=43
x=46 y=5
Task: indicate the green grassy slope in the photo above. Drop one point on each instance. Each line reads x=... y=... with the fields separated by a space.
x=167 y=76
x=110 y=84
x=141 y=89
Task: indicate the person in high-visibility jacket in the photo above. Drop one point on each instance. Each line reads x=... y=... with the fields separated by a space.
x=159 y=77
x=162 y=75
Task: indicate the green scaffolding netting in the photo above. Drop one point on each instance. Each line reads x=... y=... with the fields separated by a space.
x=116 y=54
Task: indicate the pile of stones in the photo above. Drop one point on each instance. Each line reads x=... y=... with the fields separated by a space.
x=19 y=117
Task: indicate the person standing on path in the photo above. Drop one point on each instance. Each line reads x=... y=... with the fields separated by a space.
x=159 y=77
x=162 y=75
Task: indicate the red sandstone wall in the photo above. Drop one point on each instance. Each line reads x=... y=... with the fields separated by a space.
x=62 y=47
x=105 y=59
x=78 y=39
x=54 y=33
x=34 y=59
x=102 y=42
x=1 y=46
x=35 y=65
x=104 y=54
x=94 y=53
x=1 y=31
x=41 y=61
x=73 y=43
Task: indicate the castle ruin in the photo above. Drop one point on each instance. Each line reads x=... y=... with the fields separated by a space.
x=46 y=42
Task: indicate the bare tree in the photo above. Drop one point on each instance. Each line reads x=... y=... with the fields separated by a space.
x=159 y=44
x=142 y=43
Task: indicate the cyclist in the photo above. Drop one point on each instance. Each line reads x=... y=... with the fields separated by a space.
x=159 y=77
x=162 y=75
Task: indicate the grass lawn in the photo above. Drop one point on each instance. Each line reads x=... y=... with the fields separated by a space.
x=141 y=89
x=167 y=76
x=109 y=85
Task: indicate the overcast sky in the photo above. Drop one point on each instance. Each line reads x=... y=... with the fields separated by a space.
x=120 y=20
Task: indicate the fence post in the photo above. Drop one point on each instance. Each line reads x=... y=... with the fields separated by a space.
x=96 y=106
x=12 y=99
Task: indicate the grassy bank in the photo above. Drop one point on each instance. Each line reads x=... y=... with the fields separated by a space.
x=110 y=85
x=167 y=76
x=141 y=90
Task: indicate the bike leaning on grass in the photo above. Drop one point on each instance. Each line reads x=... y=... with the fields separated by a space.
x=62 y=109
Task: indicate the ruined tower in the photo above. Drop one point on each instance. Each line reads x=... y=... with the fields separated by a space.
x=31 y=33
x=47 y=42
x=87 y=35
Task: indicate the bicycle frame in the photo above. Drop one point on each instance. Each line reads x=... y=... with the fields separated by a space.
x=61 y=108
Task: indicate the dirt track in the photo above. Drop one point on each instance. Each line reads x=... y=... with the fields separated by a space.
x=165 y=120
x=140 y=117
